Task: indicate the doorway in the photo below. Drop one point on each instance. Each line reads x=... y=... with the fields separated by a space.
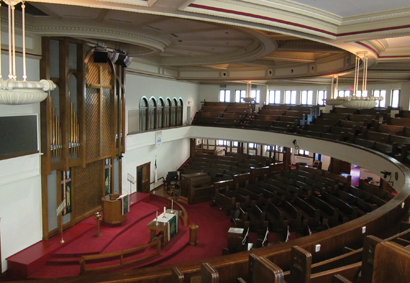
x=143 y=177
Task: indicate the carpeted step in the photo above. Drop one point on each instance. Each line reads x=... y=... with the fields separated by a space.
x=64 y=261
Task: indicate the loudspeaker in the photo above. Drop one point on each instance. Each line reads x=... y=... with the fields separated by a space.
x=100 y=56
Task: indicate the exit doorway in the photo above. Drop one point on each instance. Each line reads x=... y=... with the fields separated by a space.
x=143 y=178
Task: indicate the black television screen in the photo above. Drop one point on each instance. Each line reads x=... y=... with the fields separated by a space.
x=18 y=135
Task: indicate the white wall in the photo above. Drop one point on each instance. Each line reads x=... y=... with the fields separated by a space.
x=138 y=86
x=141 y=148
x=20 y=182
x=20 y=204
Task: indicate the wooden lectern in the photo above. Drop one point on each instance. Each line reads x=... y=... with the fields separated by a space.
x=112 y=210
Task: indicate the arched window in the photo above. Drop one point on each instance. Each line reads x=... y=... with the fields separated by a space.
x=174 y=112
x=179 y=111
x=167 y=113
x=143 y=114
x=152 y=109
x=160 y=114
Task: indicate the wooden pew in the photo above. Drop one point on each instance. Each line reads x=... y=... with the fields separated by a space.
x=257 y=219
x=391 y=263
x=254 y=197
x=264 y=271
x=313 y=213
x=369 y=246
x=344 y=110
x=326 y=122
x=340 y=279
x=300 y=266
x=226 y=203
x=399 y=121
x=242 y=179
x=261 y=270
x=212 y=108
x=294 y=216
x=240 y=216
x=205 y=121
x=267 y=117
x=363 y=118
x=334 y=116
x=177 y=275
x=327 y=211
x=209 y=274
x=366 y=196
x=375 y=190
x=277 y=221
x=259 y=174
x=375 y=136
x=390 y=129
x=276 y=106
x=279 y=193
x=271 y=112
x=232 y=115
x=347 y=211
x=210 y=114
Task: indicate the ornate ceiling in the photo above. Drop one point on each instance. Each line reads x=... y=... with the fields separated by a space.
x=237 y=40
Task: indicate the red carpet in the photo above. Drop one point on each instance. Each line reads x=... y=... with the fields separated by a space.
x=212 y=238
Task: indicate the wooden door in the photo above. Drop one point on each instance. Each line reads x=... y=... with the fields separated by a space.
x=144 y=177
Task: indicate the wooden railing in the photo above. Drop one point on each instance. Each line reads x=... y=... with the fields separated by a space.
x=232 y=266
x=120 y=255
x=183 y=214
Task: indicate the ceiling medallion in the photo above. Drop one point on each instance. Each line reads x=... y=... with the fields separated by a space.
x=12 y=91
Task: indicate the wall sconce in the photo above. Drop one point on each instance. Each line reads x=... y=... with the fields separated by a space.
x=295 y=144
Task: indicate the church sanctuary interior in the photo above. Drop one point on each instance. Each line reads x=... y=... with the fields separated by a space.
x=205 y=141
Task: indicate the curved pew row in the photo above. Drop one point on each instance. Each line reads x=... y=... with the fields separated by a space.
x=331 y=241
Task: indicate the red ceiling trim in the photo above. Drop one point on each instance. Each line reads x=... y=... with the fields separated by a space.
x=368 y=47
x=259 y=17
x=381 y=56
x=294 y=24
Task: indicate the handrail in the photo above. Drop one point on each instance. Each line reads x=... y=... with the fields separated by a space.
x=120 y=254
x=184 y=214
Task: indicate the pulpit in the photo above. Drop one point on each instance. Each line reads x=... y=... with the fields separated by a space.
x=112 y=210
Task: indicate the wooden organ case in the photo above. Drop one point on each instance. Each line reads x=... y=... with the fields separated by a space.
x=82 y=124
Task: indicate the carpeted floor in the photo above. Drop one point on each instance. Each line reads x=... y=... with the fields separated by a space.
x=212 y=238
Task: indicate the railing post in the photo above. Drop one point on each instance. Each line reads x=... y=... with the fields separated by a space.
x=82 y=266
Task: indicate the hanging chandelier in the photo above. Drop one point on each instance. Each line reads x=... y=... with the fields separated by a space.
x=248 y=97
x=13 y=91
x=361 y=100
x=358 y=100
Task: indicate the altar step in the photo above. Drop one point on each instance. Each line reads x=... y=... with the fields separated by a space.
x=27 y=261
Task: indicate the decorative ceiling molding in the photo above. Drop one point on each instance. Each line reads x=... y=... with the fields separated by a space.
x=101 y=33
x=146 y=3
x=376 y=17
x=260 y=47
x=298 y=8
x=262 y=15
